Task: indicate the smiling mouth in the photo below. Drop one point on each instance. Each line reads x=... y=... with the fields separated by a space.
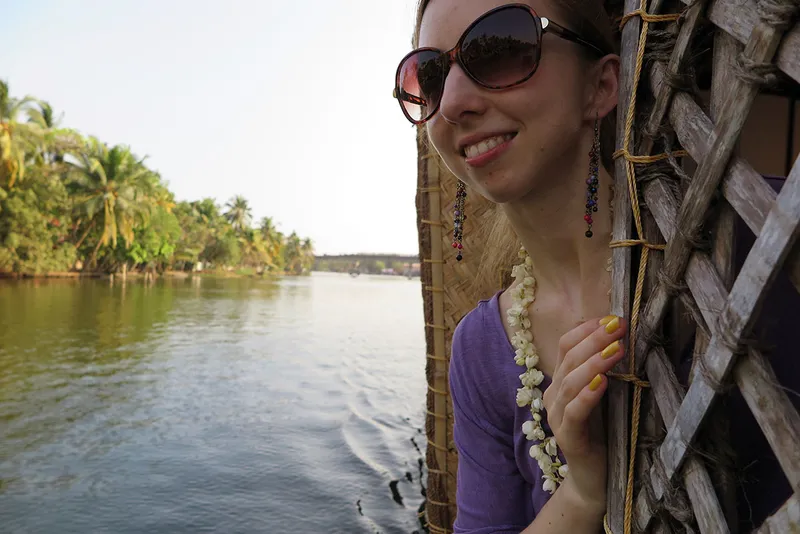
x=478 y=149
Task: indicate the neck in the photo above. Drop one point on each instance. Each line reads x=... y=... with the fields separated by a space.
x=550 y=225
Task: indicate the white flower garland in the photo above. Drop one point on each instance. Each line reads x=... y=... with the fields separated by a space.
x=545 y=451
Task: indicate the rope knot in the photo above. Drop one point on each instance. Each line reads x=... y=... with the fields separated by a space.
x=631 y=379
x=647 y=17
x=625 y=243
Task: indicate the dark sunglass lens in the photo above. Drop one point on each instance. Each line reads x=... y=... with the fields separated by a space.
x=421 y=79
x=502 y=49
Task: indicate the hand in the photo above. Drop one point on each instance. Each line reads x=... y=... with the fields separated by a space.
x=585 y=353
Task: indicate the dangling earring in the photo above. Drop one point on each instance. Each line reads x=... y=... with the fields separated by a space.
x=592 y=181
x=458 y=219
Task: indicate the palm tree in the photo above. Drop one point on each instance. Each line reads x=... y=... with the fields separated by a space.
x=17 y=139
x=254 y=249
x=206 y=210
x=273 y=241
x=293 y=254
x=307 y=254
x=55 y=141
x=239 y=214
x=113 y=190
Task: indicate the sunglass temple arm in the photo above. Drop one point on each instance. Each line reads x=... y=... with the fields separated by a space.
x=408 y=97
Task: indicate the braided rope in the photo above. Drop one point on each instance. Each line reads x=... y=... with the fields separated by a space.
x=646 y=247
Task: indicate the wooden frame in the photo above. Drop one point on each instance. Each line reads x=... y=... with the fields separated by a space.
x=727 y=312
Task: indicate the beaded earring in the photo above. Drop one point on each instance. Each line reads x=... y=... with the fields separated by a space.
x=592 y=181
x=458 y=219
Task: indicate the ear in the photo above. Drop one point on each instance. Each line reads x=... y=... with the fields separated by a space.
x=604 y=87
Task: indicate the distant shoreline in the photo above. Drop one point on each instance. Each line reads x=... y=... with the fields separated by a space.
x=74 y=275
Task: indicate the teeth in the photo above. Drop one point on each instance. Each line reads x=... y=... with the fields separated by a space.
x=473 y=151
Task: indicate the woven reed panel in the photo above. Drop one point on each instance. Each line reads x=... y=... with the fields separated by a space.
x=456 y=297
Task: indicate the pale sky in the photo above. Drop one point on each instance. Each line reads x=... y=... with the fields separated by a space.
x=286 y=102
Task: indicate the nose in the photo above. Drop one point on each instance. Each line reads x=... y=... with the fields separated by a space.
x=462 y=98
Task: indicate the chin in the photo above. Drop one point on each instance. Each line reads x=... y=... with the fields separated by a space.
x=500 y=184
x=499 y=187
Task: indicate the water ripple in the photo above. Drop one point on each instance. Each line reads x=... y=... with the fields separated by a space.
x=236 y=406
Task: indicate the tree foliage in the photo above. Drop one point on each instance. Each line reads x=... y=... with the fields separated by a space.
x=69 y=202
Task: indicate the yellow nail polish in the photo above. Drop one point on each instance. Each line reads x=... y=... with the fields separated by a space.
x=607 y=319
x=595 y=383
x=613 y=326
x=611 y=350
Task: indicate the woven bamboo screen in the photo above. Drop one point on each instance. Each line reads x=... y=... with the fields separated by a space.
x=680 y=184
x=448 y=294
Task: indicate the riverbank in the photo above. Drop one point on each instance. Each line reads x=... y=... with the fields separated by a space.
x=135 y=275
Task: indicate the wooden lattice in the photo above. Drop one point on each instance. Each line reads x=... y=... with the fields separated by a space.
x=691 y=71
x=750 y=40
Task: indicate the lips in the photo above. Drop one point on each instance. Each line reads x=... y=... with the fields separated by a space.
x=482 y=147
x=480 y=150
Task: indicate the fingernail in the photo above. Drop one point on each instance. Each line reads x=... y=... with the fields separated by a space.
x=613 y=326
x=595 y=383
x=611 y=350
x=607 y=319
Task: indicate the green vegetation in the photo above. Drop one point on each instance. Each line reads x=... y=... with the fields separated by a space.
x=73 y=203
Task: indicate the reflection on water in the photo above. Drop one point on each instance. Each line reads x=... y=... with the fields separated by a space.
x=211 y=405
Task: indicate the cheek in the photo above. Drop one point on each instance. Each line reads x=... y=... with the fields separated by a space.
x=435 y=134
x=440 y=140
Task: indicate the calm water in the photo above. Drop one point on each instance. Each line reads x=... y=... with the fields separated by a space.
x=230 y=406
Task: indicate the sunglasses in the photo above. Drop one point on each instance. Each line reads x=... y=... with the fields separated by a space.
x=499 y=50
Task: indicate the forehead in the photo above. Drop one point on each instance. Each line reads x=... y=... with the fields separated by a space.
x=445 y=20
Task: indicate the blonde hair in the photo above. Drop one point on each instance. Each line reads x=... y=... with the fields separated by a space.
x=589 y=19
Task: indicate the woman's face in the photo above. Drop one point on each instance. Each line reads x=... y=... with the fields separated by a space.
x=539 y=124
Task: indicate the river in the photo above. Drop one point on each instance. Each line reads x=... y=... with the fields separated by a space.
x=212 y=405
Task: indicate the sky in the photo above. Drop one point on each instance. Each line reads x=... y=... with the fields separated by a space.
x=287 y=103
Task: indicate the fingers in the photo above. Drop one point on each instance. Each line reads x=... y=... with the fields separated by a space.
x=578 y=411
x=585 y=376
x=605 y=332
x=572 y=338
x=580 y=378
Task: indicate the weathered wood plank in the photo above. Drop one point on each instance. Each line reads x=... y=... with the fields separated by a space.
x=651 y=426
x=710 y=294
x=701 y=277
x=618 y=427
x=770 y=405
x=725 y=49
x=675 y=66
x=785 y=520
x=743 y=187
x=737 y=102
x=704 y=282
x=739 y=17
x=780 y=232
x=707 y=510
x=773 y=410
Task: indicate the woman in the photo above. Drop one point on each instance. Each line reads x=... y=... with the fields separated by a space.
x=527 y=148
x=522 y=114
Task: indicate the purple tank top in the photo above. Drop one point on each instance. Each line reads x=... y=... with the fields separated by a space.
x=499 y=487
